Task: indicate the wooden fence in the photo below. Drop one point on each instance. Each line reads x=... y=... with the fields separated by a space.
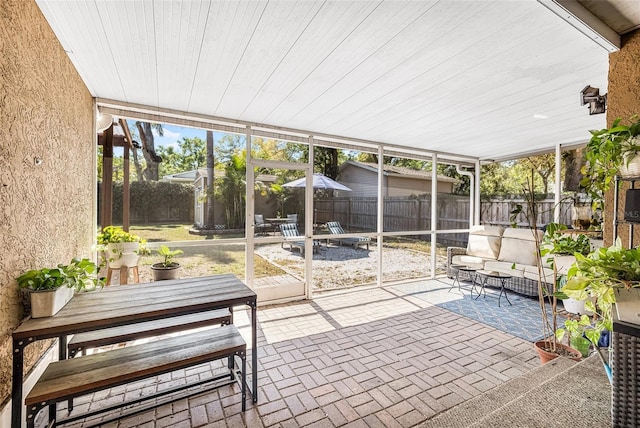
x=413 y=214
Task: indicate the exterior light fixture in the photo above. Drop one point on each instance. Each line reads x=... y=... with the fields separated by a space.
x=591 y=96
x=104 y=121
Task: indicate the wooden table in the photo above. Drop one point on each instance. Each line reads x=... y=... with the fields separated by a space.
x=128 y=304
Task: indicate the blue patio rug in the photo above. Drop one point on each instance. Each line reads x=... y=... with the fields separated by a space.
x=521 y=319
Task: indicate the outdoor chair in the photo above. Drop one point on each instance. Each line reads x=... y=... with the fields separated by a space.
x=291 y=236
x=261 y=227
x=292 y=219
x=336 y=229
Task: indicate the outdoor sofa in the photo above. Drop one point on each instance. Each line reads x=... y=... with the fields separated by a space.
x=510 y=251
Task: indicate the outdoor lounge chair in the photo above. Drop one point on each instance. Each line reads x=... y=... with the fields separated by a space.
x=292 y=237
x=336 y=229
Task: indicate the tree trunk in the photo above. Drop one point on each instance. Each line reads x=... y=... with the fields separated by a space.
x=210 y=183
x=149 y=151
x=136 y=164
x=574 y=160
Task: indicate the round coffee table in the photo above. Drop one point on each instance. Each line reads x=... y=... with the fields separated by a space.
x=471 y=273
x=485 y=275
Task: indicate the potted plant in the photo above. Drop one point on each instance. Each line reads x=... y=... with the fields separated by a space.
x=120 y=248
x=548 y=347
x=610 y=275
x=579 y=332
x=167 y=269
x=562 y=247
x=52 y=288
x=608 y=152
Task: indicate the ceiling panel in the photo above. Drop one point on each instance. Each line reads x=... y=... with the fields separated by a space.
x=460 y=77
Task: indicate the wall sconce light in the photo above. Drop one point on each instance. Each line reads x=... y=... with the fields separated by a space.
x=103 y=121
x=597 y=103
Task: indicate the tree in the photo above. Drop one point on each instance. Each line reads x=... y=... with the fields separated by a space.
x=543 y=165
x=231 y=190
x=325 y=160
x=145 y=132
x=210 y=174
x=189 y=155
x=573 y=163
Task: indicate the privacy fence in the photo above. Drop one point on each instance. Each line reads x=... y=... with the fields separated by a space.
x=414 y=214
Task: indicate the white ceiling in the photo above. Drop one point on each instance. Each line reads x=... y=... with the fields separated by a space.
x=460 y=77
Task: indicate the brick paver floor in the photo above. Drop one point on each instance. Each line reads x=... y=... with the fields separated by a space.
x=360 y=358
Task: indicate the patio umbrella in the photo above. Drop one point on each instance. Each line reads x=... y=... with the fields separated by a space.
x=319 y=182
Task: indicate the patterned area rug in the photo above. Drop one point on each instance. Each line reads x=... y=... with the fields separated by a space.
x=522 y=318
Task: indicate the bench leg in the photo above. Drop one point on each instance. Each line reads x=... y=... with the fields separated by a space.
x=32 y=412
x=243 y=357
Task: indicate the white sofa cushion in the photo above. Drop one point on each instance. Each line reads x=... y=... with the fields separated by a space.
x=484 y=241
x=531 y=272
x=516 y=271
x=469 y=261
x=518 y=246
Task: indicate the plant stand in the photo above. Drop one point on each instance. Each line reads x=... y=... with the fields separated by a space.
x=625 y=394
x=124 y=274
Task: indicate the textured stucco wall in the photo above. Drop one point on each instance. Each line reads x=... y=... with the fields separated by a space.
x=624 y=102
x=46 y=209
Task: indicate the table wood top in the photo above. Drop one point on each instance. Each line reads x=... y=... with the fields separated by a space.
x=127 y=304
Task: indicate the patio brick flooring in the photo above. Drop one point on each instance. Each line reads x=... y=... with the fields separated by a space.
x=360 y=358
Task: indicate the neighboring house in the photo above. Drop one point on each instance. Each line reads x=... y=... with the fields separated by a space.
x=181 y=177
x=362 y=179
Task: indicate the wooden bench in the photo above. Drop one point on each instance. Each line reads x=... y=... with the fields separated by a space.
x=67 y=379
x=109 y=336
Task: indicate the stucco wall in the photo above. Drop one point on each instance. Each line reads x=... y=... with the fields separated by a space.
x=45 y=209
x=624 y=102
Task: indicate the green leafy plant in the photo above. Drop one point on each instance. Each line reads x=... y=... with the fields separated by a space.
x=598 y=275
x=607 y=150
x=80 y=274
x=117 y=235
x=580 y=334
x=556 y=242
x=168 y=254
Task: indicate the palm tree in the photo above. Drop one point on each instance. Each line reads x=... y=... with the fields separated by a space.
x=231 y=189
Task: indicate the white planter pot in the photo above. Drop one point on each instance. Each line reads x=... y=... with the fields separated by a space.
x=123 y=254
x=575 y=306
x=632 y=169
x=48 y=303
x=563 y=263
x=628 y=305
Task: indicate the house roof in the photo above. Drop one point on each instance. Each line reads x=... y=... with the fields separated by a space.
x=478 y=79
x=398 y=171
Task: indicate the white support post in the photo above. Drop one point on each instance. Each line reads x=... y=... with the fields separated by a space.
x=249 y=219
x=380 y=223
x=308 y=224
x=434 y=213
x=476 y=215
x=558 y=192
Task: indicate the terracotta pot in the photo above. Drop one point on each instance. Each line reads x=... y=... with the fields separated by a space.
x=546 y=356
